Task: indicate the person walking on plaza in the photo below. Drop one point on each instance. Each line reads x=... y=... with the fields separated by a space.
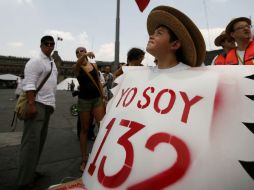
x=90 y=97
x=19 y=90
x=40 y=107
x=240 y=29
x=227 y=43
x=72 y=86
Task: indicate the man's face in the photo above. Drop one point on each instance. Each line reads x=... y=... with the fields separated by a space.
x=47 y=47
x=80 y=51
x=241 y=31
x=159 y=42
x=228 y=43
x=107 y=69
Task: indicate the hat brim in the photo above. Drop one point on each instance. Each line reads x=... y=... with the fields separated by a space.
x=160 y=17
x=219 y=39
x=230 y=25
x=192 y=29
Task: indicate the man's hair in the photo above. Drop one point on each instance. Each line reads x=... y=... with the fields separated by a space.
x=135 y=54
x=173 y=37
x=46 y=38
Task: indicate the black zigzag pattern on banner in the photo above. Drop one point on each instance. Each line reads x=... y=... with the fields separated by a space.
x=249 y=167
x=250 y=97
x=250 y=77
x=250 y=126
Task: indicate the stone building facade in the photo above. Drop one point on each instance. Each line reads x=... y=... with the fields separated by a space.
x=15 y=65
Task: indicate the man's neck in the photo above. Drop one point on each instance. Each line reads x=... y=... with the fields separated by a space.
x=167 y=62
x=167 y=65
x=243 y=44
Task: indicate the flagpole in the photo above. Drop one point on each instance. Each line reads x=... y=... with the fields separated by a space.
x=117 y=43
x=207 y=25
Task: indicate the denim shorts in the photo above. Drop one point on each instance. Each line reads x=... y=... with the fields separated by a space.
x=88 y=105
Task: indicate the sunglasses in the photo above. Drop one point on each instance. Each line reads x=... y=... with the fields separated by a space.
x=243 y=27
x=49 y=44
x=81 y=50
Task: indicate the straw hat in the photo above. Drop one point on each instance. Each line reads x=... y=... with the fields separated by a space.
x=230 y=26
x=222 y=37
x=191 y=39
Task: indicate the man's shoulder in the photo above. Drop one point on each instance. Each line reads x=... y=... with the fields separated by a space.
x=35 y=63
x=35 y=59
x=252 y=44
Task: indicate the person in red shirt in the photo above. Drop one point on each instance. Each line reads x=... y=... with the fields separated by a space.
x=227 y=43
x=240 y=29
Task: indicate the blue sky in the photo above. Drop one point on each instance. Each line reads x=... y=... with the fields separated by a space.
x=91 y=23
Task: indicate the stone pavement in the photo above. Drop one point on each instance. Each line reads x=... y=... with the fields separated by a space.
x=60 y=159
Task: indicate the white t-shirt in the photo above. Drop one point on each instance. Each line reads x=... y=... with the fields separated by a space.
x=240 y=56
x=179 y=67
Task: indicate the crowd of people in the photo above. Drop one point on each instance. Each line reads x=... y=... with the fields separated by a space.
x=176 y=44
x=237 y=43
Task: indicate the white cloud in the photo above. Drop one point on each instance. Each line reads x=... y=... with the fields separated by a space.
x=83 y=40
x=67 y=36
x=15 y=44
x=25 y=1
x=220 y=1
x=210 y=36
x=106 y=52
x=33 y=53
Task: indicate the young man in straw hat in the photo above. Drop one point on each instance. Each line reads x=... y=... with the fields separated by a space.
x=240 y=29
x=227 y=43
x=175 y=41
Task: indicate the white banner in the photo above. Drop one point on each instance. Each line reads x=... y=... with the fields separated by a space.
x=180 y=130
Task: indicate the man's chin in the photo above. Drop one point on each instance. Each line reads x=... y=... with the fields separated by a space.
x=149 y=48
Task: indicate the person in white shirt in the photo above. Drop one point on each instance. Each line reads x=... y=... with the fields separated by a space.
x=19 y=90
x=40 y=107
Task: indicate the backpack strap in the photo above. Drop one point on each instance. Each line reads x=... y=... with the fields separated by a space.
x=45 y=79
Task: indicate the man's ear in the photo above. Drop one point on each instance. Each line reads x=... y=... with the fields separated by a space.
x=175 y=45
x=232 y=34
